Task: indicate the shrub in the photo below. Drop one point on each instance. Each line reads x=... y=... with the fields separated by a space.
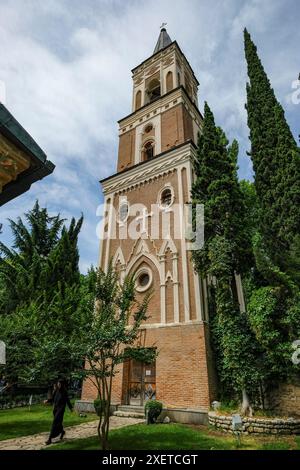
x=154 y=408
x=8 y=401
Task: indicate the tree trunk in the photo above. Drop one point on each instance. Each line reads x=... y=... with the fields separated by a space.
x=104 y=440
x=246 y=409
x=99 y=426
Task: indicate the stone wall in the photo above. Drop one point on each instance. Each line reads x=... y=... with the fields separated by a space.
x=257 y=425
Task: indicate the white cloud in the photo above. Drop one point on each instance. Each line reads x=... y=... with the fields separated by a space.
x=66 y=65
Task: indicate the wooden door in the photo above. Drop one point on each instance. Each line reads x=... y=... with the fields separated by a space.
x=142 y=382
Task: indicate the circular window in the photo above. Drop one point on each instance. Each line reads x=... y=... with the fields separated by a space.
x=166 y=198
x=123 y=211
x=143 y=279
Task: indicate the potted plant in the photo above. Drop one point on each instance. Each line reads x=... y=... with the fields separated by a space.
x=153 y=408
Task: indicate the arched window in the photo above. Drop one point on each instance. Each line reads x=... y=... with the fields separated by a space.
x=138 y=100
x=123 y=211
x=153 y=90
x=166 y=198
x=148 y=151
x=169 y=81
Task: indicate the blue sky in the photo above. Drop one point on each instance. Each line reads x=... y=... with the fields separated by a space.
x=66 y=67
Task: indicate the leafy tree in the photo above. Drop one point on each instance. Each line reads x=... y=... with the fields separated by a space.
x=109 y=326
x=17 y=331
x=237 y=351
x=274 y=314
x=275 y=332
x=44 y=255
x=41 y=291
x=276 y=161
x=56 y=322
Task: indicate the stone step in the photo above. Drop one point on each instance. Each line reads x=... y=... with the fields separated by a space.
x=131 y=408
x=129 y=414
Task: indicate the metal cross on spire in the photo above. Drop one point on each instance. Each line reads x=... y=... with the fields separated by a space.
x=163 y=40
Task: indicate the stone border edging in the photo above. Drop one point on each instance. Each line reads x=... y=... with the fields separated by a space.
x=256 y=425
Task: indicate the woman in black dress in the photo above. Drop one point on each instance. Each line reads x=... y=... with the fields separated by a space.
x=60 y=399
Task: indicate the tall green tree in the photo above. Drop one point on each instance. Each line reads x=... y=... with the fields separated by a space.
x=276 y=161
x=273 y=296
x=226 y=251
x=216 y=186
x=44 y=255
x=41 y=289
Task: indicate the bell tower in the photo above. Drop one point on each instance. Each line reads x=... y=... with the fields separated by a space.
x=157 y=145
x=165 y=95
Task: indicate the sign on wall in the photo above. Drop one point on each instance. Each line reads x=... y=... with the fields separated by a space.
x=2 y=353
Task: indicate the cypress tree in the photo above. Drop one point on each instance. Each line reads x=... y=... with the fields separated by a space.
x=276 y=161
x=273 y=305
x=226 y=251
x=216 y=186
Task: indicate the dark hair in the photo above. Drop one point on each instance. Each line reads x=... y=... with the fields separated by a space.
x=63 y=384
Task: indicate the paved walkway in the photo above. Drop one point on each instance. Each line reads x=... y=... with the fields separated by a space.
x=37 y=441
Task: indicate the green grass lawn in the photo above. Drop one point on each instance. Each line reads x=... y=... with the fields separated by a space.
x=19 y=422
x=22 y=422
x=178 y=437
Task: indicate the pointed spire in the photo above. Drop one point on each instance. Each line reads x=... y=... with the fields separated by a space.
x=163 y=40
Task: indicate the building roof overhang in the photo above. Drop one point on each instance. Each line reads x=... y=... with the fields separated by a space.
x=22 y=161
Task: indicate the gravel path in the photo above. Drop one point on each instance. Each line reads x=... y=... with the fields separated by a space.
x=37 y=441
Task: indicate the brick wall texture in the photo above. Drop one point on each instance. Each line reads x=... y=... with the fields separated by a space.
x=181 y=368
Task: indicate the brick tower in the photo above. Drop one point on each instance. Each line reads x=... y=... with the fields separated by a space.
x=156 y=148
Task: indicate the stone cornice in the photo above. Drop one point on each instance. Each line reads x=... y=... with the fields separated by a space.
x=139 y=174
x=150 y=326
x=162 y=53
